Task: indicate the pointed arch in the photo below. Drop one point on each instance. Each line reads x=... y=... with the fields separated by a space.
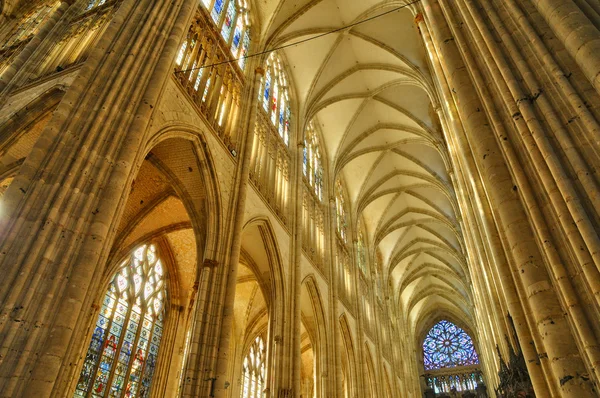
x=371 y=374
x=348 y=356
x=314 y=318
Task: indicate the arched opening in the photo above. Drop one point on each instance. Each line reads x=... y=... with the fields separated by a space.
x=348 y=360
x=314 y=340
x=254 y=370
x=257 y=313
x=121 y=358
x=450 y=361
x=370 y=389
x=164 y=219
x=308 y=387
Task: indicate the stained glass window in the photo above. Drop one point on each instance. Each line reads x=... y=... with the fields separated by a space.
x=313 y=169
x=447 y=346
x=245 y=48
x=229 y=20
x=217 y=9
x=275 y=97
x=235 y=19
x=340 y=205
x=121 y=358
x=253 y=370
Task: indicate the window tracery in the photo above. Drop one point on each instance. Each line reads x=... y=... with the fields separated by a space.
x=271 y=157
x=254 y=370
x=340 y=206
x=220 y=31
x=312 y=166
x=361 y=249
x=447 y=345
x=121 y=358
x=275 y=96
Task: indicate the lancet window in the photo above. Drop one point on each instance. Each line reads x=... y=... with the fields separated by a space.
x=275 y=96
x=340 y=206
x=270 y=167
x=254 y=370
x=312 y=165
x=122 y=355
x=232 y=20
x=361 y=248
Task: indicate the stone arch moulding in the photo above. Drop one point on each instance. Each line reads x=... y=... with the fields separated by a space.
x=350 y=353
x=320 y=338
x=267 y=266
x=274 y=287
x=205 y=222
x=211 y=221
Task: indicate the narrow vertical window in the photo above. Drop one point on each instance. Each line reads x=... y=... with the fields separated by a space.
x=313 y=169
x=340 y=205
x=229 y=20
x=361 y=249
x=216 y=11
x=121 y=358
x=253 y=370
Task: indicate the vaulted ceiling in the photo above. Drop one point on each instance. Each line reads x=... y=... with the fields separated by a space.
x=369 y=90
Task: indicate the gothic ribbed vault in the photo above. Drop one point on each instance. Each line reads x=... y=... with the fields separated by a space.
x=369 y=90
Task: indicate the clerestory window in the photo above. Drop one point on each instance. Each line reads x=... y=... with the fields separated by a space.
x=275 y=96
x=313 y=168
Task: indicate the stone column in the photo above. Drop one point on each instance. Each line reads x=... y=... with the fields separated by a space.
x=226 y=312
x=543 y=309
x=336 y=347
x=62 y=222
x=577 y=33
x=474 y=200
x=296 y=274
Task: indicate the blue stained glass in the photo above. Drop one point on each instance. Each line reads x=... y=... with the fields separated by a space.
x=237 y=36
x=217 y=9
x=447 y=346
x=229 y=19
x=267 y=91
x=245 y=48
x=281 y=120
x=305 y=167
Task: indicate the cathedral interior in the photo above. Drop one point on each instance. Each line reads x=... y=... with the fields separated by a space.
x=300 y=198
